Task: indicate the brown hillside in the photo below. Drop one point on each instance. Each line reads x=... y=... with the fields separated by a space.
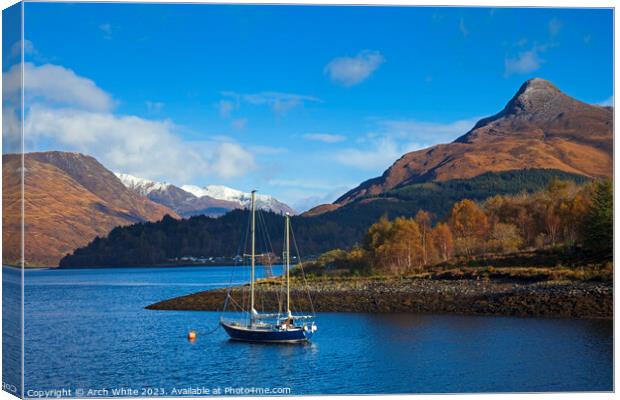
x=69 y=200
x=540 y=127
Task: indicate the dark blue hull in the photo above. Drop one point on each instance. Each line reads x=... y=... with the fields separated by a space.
x=242 y=333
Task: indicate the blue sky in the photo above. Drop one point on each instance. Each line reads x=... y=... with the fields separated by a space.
x=301 y=102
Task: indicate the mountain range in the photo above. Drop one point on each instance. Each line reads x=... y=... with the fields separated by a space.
x=190 y=200
x=540 y=135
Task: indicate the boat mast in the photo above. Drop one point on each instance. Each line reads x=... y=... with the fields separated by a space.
x=288 y=265
x=253 y=207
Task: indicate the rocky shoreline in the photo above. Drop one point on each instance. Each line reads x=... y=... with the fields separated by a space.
x=377 y=295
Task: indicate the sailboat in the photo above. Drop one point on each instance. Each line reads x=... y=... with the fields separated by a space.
x=282 y=326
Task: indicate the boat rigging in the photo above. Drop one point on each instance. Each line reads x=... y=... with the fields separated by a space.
x=277 y=326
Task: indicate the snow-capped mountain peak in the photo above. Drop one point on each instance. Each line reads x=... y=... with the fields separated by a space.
x=221 y=192
x=226 y=193
x=141 y=185
x=195 y=190
x=190 y=199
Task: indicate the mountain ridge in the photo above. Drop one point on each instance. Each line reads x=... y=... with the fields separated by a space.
x=69 y=199
x=190 y=200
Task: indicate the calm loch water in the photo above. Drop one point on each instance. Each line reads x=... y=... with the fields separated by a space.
x=88 y=329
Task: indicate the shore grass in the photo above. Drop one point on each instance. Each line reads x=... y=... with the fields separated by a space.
x=523 y=266
x=586 y=273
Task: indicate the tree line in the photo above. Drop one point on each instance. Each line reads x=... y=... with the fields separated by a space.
x=563 y=215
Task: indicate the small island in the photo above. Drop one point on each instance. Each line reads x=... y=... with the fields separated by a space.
x=482 y=289
x=376 y=295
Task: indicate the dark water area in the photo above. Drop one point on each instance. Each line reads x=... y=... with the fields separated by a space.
x=12 y=330
x=88 y=329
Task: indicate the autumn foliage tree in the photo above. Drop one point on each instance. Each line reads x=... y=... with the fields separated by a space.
x=395 y=246
x=443 y=241
x=504 y=238
x=423 y=219
x=563 y=215
x=469 y=224
x=375 y=243
x=406 y=245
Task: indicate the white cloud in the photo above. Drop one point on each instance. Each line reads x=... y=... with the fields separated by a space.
x=324 y=137
x=303 y=194
x=137 y=146
x=12 y=85
x=11 y=130
x=71 y=113
x=463 y=28
x=392 y=138
x=226 y=108
x=525 y=62
x=11 y=103
x=231 y=160
x=424 y=132
x=608 y=102
x=350 y=71
x=29 y=49
x=555 y=25
x=58 y=85
x=270 y=150
x=302 y=200
x=239 y=123
x=381 y=154
x=107 y=30
x=302 y=184
x=279 y=102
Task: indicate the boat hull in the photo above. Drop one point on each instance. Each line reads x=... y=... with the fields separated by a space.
x=246 y=334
